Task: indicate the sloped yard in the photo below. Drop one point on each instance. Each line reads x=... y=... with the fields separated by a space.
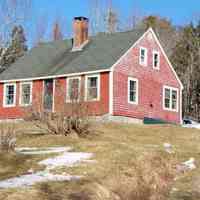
x=115 y=149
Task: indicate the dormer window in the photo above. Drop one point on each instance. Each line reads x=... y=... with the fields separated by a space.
x=156 y=60
x=143 y=56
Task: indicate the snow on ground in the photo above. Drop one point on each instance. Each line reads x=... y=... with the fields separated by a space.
x=38 y=151
x=31 y=179
x=67 y=159
x=192 y=126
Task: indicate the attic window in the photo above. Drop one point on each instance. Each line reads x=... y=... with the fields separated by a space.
x=156 y=60
x=143 y=56
x=9 y=99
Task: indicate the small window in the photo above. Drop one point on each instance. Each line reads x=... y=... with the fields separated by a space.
x=143 y=56
x=174 y=99
x=9 y=95
x=132 y=91
x=170 y=98
x=167 y=98
x=25 y=94
x=93 y=88
x=156 y=60
x=73 y=88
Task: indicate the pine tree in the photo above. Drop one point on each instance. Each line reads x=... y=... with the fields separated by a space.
x=15 y=49
x=186 y=60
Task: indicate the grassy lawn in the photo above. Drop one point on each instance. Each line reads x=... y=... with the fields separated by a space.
x=116 y=147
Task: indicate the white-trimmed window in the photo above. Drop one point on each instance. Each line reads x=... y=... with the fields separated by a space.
x=9 y=95
x=92 y=84
x=143 y=56
x=132 y=90
x=73 y=89
x=156 y=60
x=170 y=98
x=25 y=93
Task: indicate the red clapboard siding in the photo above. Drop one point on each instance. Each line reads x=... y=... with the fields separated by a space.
x=96 y=107
x=151 y=83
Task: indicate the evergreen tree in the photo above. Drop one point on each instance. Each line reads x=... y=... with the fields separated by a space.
x=186 y=60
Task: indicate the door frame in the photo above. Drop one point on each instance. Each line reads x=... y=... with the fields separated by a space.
x=53 y=94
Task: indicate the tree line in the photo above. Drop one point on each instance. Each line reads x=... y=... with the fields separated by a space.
x=182 y=44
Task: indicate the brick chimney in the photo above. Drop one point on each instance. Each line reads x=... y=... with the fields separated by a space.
x=80 y=25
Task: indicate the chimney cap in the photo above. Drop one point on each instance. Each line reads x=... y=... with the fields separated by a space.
x=81 y=18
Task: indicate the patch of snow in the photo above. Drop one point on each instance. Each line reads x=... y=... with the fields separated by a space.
x=66 y=159
x=191 y=126
x=37 y=151
x=168 y=148
x=31 y=179
x=190 y=164
x=187 y=165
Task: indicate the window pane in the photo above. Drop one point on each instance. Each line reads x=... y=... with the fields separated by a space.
x=26 y=94
x=74 y=89
x=132 y=96
x=133 y=85
x=155 y=60
x=132 y=91
x=9 y=94
x=167 y=98
x=92 y=92
x=93 y=81
x=174 y=99
x=142 y=55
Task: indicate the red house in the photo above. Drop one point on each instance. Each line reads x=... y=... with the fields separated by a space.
x=124 y=75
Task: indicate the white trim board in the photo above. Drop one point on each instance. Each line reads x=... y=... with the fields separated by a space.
x=14 y=95
x=55 y=76
x=137 y=91
x=67 y=87
x=20 y=93
x=170 y=103
x=98 y=87
x=111 y=89
x=145 y=63
x=166 y=57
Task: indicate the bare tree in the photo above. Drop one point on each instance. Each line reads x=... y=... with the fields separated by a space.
x=40 y=29
x=96 y=16
x=111 y=20
x=12 y=13
x=57 y=30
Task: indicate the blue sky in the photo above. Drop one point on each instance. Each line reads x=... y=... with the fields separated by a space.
x=178 y=11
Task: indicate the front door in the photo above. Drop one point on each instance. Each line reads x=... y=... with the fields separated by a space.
x=48 y=95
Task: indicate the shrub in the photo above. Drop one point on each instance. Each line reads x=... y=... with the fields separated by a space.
x=71 y=117
x=7 y=137
x=149 y=178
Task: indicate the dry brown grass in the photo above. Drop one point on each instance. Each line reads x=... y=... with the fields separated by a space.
x=125 y=155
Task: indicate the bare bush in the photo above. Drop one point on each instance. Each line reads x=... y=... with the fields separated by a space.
x=68 y=118
x=150 y=178
x=7 y=137
x=61 y=122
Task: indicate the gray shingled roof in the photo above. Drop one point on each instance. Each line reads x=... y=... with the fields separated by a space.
x=56 y=58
